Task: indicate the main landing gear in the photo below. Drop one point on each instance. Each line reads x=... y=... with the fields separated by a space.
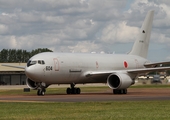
x=73 y=90
x=122 y=91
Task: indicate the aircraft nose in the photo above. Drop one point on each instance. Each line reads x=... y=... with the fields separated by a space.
x=29 y=71
x=34 y=73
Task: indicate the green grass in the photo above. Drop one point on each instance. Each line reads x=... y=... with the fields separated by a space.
x=131 y=110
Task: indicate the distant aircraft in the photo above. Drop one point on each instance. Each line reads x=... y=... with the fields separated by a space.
x=118 y=71
x=156 y=79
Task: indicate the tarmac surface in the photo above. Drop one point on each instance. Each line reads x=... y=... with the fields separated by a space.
x=134 y=94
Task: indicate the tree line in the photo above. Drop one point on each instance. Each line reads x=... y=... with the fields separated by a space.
x=19 y=55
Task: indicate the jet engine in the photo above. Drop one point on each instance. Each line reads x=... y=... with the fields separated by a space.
x=35 y=85
x=31 y=84
x=119 y=81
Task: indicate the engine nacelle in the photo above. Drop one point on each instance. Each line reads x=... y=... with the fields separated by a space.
x=31 y=84
x=119 y=81
x=35 y=85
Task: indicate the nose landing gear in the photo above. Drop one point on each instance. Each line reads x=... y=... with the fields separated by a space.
x=41 y=89
x=73 y=90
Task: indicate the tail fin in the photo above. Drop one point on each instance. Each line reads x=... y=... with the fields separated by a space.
x=141 y=45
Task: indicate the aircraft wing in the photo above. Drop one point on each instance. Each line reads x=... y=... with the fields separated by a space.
x=146 y=70
x=13 y=66
x=135 y=71
x=156 y=64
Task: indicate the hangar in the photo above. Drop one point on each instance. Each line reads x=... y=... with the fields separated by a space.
x=12 y=76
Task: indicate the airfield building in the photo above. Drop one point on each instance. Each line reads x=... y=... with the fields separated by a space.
x=12 y=76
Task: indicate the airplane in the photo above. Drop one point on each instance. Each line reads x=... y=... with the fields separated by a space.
x=117 y=70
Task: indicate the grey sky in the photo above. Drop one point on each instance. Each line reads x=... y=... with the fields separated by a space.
x=110 y=26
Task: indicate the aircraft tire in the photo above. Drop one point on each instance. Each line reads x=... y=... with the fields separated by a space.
x=78 y=91
x=42 y=92
x=68 y=91
x=124 y=91
x=74 y=91
x=114 y=91
x=38 y=92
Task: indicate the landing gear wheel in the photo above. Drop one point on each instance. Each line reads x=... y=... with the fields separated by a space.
x=115 y=91
x=78 y=90
x=73 y=90
x=122 y=91
x=68 y=91
x=41 y=92
x=38 y=92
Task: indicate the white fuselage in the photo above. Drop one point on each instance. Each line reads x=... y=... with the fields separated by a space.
x=66 y=68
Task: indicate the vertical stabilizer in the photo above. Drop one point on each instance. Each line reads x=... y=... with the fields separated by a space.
x=141 y=45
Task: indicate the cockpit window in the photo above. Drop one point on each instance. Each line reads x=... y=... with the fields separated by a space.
x=29 y=63
x=41 y=62
x=33 y=62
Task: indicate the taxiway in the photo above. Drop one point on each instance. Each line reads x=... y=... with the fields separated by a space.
x=134 y=94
